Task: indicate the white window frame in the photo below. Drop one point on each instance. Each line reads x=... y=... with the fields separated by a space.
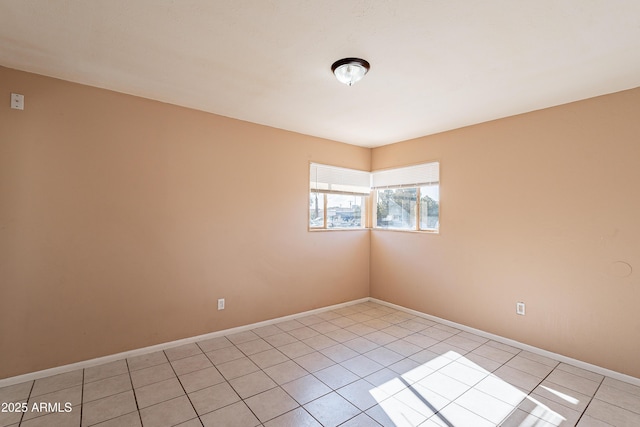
x=325 y=180
x=415 y=176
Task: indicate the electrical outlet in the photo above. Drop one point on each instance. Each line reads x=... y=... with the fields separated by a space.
x=221 y=304
x=520 y=308
x=17 y=101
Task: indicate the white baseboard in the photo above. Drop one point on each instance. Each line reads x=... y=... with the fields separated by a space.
x=517 y=344
x=145 y=350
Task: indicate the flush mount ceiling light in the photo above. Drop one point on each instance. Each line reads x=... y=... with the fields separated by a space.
x=350 y=70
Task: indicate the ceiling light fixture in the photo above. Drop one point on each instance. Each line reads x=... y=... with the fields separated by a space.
x=350 y=70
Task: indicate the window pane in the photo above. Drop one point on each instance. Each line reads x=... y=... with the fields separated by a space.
x=344 y=211
x=430 y=207
x=396 y=208
x=316 y=208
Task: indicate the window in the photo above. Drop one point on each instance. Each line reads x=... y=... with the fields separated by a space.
x=408 y=198
x=396 y=208
x=337 y=197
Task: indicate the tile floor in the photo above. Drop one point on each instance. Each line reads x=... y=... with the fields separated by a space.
x=361 y=365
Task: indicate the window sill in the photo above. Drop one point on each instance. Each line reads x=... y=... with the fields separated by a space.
x=313 y=230
x=407 y=231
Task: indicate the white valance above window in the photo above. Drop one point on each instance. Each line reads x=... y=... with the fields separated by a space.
x=410 y=176
x=333 y=179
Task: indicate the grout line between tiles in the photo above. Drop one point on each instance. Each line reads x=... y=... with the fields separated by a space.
x=183 y=389
x=133 y=389
x=590 y=401
x=33 y=384
x=82 y=395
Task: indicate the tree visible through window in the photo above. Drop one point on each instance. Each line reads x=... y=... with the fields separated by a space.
x=408 y=198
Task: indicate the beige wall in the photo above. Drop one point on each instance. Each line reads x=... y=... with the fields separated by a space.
x=535 y=208
x=122 y=220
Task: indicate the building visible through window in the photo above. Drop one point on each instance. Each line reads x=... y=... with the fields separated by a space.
x=337 y=197
x=406 y=198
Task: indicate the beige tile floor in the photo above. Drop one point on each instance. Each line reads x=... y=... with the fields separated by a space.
x=361 y=365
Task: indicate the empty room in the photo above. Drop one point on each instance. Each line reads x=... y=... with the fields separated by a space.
x=334 y=213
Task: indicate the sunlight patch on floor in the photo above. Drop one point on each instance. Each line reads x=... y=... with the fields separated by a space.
x=445 y=392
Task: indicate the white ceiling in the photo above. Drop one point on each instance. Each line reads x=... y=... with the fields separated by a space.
x=435 y=64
